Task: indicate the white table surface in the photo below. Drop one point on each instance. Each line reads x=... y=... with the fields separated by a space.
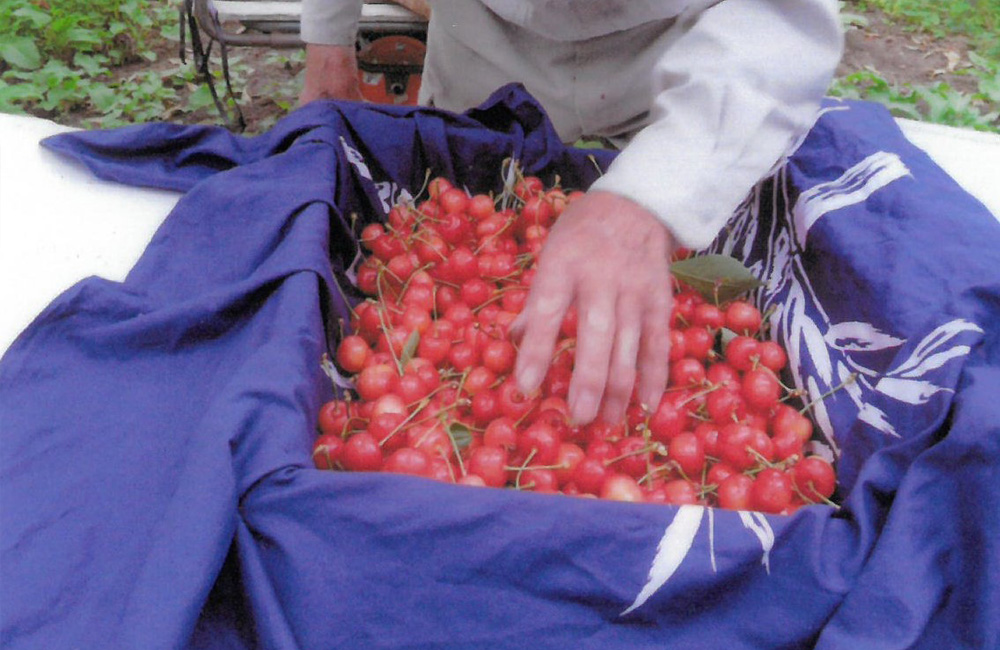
x=59 y=224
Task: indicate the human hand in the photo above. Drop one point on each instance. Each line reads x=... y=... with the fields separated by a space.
x=331 y=73
x=609 y=257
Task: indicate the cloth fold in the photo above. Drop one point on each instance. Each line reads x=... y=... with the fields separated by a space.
x=155 y=462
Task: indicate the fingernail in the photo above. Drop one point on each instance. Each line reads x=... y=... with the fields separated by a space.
x=583 y=407
x=651 y=402
x=528 y=379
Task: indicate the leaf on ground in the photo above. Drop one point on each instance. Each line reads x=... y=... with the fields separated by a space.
x=21 y=52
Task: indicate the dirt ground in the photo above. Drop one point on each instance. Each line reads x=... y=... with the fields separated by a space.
x=897 y=53
x=901 y=55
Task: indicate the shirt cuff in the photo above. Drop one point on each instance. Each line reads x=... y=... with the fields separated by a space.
x=330 y=22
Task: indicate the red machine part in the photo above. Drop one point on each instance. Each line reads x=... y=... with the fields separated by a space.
x=389 y=69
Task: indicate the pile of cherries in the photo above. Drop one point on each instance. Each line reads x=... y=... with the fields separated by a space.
x=431 y=362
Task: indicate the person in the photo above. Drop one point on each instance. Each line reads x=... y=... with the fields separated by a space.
x=705 y=98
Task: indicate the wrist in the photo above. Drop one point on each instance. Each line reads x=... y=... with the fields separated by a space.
x=331 y=73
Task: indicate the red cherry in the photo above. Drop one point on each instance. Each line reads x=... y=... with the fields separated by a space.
x=539 y=441
x=733 y=492
x=680 y=492
x=327 y=451
x=722 y=374
x=431 y=248
x=814 y=478
x=735 y=442
x=489 y=463
x=761 y=389
x=513 y=402
x=687 y=372
x=453 y=200
x=708 y=434
x=528 y=187
x=771 y=491
x=786 y=445
x=708 y=315
x=434 y=349
x=718 y=473
x=408 y=460
x=333 y=417
x=431 y=438
x=687 y=450
x=501 y=432
x=463 y=264
x=499 y=355
x=772 y=356
x=621 y=487
x=480 y=206
x=741 y=352
x=370 y=233
x=472 y=479
x=485 y=407
x=478 y=379
x=668 y=420
x=463 y=356
x=633 y=455
x=698 y=342
x=361 y=454
x=538 y=480
x=743 y=318
x=725 y=406
x=568 y=459
x=438 y=186
x=589 y=475
x=375 y=381
x=787 y=419
x=385 y=428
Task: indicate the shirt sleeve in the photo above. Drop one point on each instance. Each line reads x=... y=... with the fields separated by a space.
x=737 y=88
x=330 y=22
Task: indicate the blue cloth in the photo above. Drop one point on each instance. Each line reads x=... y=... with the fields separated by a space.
x=157 y=488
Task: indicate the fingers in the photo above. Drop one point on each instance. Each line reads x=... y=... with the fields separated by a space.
x=654 y=349
x=538 y=328
x=621 y=372
x=609 y=257
x=596 y=330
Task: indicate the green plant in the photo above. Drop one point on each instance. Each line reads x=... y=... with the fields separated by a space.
x=53 y=57
x=939 y=103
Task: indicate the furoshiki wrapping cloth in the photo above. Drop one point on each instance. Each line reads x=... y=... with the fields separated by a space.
x=157 y=486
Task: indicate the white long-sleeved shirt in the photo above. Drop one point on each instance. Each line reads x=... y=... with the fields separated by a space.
x=711 y=93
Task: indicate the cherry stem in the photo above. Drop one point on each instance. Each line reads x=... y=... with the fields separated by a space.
x=847 y=382
x=513 y=468
x=635 y=452
x=385 y=332
x=807 y=499
x=458 y=454
x=451 y=471
x=520 y=470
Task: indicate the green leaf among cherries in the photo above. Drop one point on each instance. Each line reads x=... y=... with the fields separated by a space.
x=718 y=278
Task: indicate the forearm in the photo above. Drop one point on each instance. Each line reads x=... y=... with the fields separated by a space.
x=739 y=85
